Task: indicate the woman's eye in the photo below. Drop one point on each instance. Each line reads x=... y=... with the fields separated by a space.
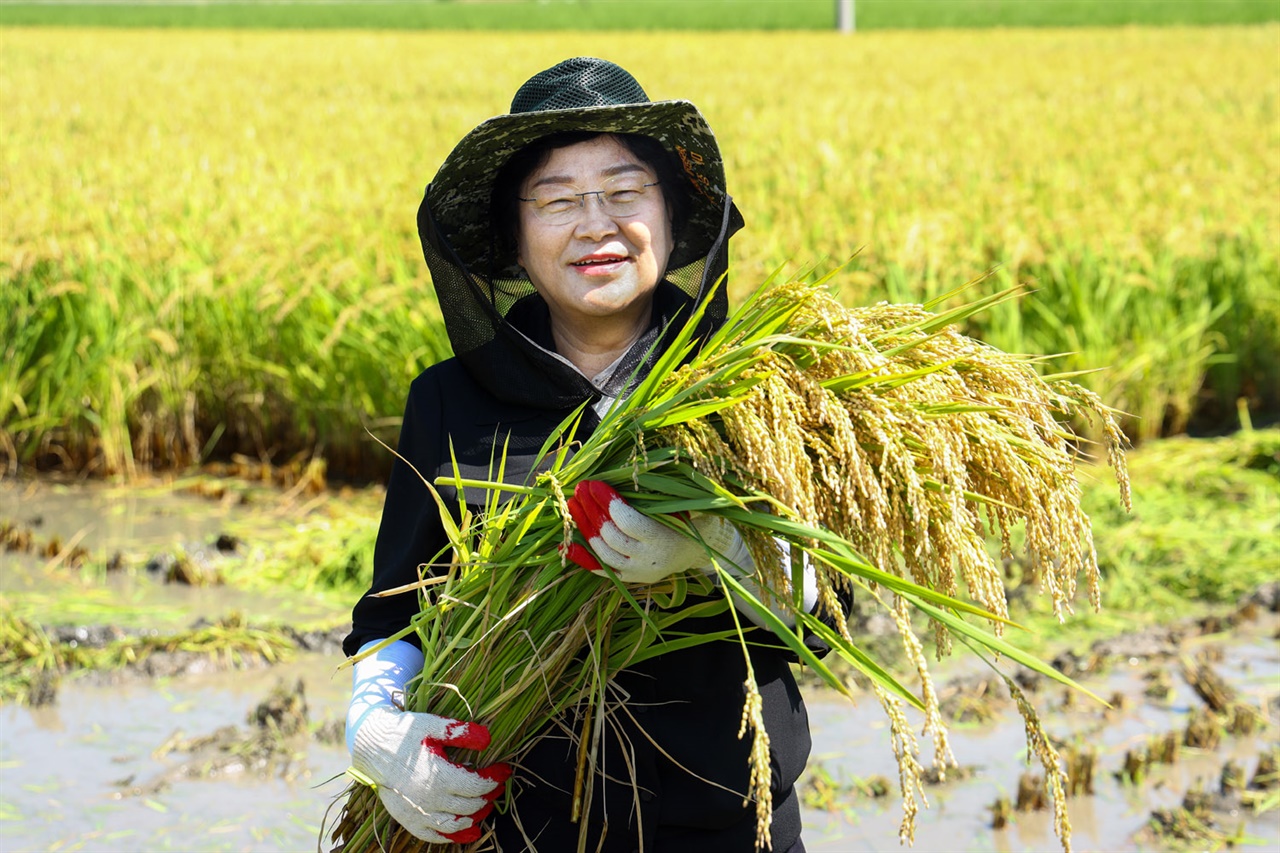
x=558 y=203
x=624 y=196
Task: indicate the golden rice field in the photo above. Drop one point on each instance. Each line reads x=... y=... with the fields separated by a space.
x=208 y=238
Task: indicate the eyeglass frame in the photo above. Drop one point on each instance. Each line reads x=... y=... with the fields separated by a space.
x=582 y=204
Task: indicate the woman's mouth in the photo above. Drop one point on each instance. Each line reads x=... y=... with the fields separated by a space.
x=599 y=263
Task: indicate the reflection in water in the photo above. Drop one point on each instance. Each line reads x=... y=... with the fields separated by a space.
x=47 y=718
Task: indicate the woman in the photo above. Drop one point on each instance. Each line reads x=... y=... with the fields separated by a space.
x=566 y=240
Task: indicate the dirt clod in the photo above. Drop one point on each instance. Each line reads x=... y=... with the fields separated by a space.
x=1192 y=823
x=1032 y=795
x=1266 y=776
x=935 y=775
x=268 y=745
x=1231 y=780
x=1159 y=685
x=973 y=700
x=1150 y=643
x=1266 y=596
x=1081 y=761
x=1203 y=730
x=1001 y=813
x=1164 y=749
x=283 y=712
x=43 y=689
x=1134 y=767
x=1208 y=685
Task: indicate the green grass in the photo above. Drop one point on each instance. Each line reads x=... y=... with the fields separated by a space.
x=642 y=14
x=1204 y=532
x=94 y=377
x=926 y=14
x=94 y=373
x=98 y=371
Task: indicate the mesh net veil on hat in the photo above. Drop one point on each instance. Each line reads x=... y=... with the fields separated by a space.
x=489 y=304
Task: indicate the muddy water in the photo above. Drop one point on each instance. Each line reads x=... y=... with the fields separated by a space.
x=110 y=519
x=79 y=776
x=137 y=526
x=855 y=743
x=83 y=775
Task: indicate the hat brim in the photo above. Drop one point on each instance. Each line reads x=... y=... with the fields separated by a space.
x=459 y=195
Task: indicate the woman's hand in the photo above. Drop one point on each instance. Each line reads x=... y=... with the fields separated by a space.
x=433 y=798
x=402 y=753
x=639 y=549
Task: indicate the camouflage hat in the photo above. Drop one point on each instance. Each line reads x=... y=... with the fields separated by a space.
x=579 y=94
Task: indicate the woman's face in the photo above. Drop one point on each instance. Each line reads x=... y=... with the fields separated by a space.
x=597 y=265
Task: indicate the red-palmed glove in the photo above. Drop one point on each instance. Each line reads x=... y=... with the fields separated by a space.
x=640 y=549
x=429 y=795
x=402 y=753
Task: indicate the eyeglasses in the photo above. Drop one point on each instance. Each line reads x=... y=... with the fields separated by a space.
x=620 y=197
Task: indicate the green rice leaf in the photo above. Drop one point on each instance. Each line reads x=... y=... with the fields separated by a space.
x=859 y=659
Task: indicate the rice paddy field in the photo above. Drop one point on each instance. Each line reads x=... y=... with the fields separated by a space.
x=524 y=15
x=208 y=243
x=208 y=255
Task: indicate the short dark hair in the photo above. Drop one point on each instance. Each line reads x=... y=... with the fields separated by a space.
x=504 y=203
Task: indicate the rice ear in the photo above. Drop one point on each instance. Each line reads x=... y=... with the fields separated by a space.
x=878 y=443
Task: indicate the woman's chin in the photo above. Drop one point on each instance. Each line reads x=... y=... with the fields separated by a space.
x=615 y=297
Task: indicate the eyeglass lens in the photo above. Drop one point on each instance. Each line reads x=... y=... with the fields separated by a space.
x=618 y=197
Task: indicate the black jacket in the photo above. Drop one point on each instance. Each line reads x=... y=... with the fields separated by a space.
x=688 y=703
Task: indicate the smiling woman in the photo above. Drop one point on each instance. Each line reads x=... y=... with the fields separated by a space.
x=571 y=243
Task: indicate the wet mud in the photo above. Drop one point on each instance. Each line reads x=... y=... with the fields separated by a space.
x=189 y=763
x=1183 y=759
x=184 y=750
x=252 y=760
x=159 y=662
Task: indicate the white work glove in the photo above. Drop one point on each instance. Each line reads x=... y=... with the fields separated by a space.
x=433 y=798
x=641 y=550
x=637 y=548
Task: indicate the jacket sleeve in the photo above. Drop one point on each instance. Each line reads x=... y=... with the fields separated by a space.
x=815 y=643
x=410 y=534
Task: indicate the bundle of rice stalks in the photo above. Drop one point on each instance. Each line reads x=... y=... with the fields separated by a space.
x=877 y=444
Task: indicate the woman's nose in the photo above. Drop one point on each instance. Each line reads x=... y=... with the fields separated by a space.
x=593 y=220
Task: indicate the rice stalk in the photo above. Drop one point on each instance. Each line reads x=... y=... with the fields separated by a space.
x=880 y=444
